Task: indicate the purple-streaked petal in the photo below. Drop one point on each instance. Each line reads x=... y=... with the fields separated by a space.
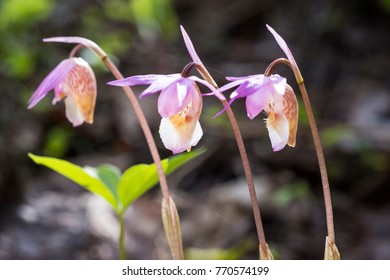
x=278 y=130
x=290 y=110
x=282 y=44
x=190 y=47
x=256 y=102
x=52 y=80
x=172 y=98
x=80 y=84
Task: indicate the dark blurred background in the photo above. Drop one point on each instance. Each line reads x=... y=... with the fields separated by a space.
x=342 y=48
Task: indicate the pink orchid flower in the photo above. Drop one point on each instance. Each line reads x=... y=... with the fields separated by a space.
x=273 y=95
x=179 y=105
x=74 y=80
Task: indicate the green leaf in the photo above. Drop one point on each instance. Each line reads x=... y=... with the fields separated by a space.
x=107 y=173
x=82 y=177
x=140 y=178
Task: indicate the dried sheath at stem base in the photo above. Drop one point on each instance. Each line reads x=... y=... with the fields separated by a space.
x=331 y=251
x=265 y=253
x=171 y=223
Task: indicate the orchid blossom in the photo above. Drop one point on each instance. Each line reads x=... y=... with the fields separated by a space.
x=273 y=95
x=74 y=80
x=179 y=105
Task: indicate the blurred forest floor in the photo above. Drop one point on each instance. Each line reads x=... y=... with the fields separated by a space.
x=342 y=48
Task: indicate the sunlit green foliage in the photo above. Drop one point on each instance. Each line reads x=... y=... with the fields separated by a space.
x=16 y=18
x=119 y=190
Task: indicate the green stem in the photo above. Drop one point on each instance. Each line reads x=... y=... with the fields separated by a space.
x=121 y=240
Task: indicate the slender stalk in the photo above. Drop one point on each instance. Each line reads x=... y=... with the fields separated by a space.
x=321 y=162
x=143 y=123
x=132 y=98
x=316 y=140
x=121 y=240
x=144 y=126
x=244 y=158
x=153 y=150
x=248 y=175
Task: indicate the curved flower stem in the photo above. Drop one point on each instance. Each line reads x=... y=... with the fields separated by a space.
x=144 y=126
x=245 y=163
x=248 y=175
x=321 y=162
x=316 y=140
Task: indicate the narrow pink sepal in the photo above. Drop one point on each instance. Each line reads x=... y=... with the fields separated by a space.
x=53 y=79
x=190 y=46
x=78 y=40
x=283 y=46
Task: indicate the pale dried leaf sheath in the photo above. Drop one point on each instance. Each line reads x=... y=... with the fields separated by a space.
x=331 y=251
x=171 y=223
x=265 y=253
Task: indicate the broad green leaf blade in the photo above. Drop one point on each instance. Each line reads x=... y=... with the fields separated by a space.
x=177 y=161
x=134 y=182
x=77 y=175
x=107 y=173
x=140 y=178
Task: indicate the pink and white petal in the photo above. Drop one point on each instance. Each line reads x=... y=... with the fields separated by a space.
x=178 y=140
x=80 y=84
x=160 y=84
x=73 y=112
x=207 y=84
x=290 y=110
x=168 y=104
x=278 y=130
x=224 y=109
x=190 y=47
x=231 y=79
x=279 y=84
x=248 y=87
x=136 y=80
x=231 y=85
x=196 y=135
x=59 y=93
x=53 y=79
x=184 y=87
x=257 y=102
